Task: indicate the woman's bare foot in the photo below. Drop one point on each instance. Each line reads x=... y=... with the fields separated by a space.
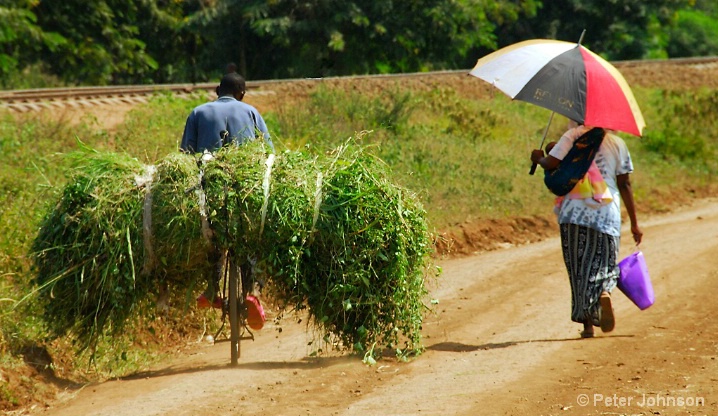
x=587 y=330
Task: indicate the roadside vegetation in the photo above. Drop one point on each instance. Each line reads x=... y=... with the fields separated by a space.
x=467 y=159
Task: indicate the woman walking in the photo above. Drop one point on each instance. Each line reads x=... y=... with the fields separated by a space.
x=591 y=230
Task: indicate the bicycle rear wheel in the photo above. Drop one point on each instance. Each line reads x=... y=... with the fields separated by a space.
x=234 y=291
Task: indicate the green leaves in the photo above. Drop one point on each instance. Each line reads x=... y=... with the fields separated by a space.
x=617 y=30
x=694 y=34
x=154 y=41
x=21 y=37
x=103 y=41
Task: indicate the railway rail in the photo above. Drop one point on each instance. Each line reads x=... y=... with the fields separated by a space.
x=49 y=98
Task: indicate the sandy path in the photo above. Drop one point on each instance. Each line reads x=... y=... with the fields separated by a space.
x=500 y=342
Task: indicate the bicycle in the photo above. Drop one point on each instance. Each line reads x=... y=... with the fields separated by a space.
x=236 y=280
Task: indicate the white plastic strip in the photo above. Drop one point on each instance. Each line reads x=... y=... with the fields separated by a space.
x=265 y=187
x=317 y=200
x=202 y=198
x=146 y=181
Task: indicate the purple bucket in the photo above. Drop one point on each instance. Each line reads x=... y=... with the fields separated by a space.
x=635 y=282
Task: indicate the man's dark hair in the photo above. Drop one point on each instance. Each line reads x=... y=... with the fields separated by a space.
x=231 y=84
x=231 y=67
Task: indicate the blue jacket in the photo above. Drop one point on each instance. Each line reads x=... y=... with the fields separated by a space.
x=205 y=122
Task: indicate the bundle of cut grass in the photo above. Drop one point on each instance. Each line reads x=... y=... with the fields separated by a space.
x=180 y=250
x=89 y=246
x=336 y=236
x=332 y=232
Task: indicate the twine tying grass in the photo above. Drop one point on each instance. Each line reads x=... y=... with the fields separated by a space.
x=332 y=233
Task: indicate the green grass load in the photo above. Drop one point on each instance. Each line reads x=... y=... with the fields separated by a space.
x=331 y=234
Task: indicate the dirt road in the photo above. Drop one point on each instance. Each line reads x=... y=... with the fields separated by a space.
x=500 y=343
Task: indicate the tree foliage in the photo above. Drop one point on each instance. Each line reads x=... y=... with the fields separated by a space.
x=694 y=34
x=616 y=29
x=102 y=43
x=97 y=42
x=300 y=38
x=21 y=37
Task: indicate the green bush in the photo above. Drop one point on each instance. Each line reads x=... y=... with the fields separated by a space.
x=673 y=134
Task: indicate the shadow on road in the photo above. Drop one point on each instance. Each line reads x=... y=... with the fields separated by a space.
x=459 y=347
x=306 y=363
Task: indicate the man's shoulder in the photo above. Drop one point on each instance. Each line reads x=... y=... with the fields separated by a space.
x=242 y=104
x=224 y=105
x=231 y=103
x=216 y=104
x=204 y=106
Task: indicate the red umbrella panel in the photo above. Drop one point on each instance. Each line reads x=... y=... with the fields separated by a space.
x=566 y=78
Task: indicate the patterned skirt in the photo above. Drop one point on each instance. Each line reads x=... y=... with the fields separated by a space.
x=590 y=258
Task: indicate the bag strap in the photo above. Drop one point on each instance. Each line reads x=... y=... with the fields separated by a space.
x=576 y=163
x=590 y=140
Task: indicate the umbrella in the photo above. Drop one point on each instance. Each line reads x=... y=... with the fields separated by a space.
x=566 y=78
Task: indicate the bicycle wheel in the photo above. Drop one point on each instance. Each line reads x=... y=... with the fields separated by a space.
x=234 y=291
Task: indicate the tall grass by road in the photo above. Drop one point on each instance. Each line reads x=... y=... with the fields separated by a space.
x=467 y=159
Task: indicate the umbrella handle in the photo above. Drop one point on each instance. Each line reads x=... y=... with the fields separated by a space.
x=533 y=169
x=545 y=132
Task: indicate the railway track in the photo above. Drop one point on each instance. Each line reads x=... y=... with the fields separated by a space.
x=49 y=98
x=79 y=97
